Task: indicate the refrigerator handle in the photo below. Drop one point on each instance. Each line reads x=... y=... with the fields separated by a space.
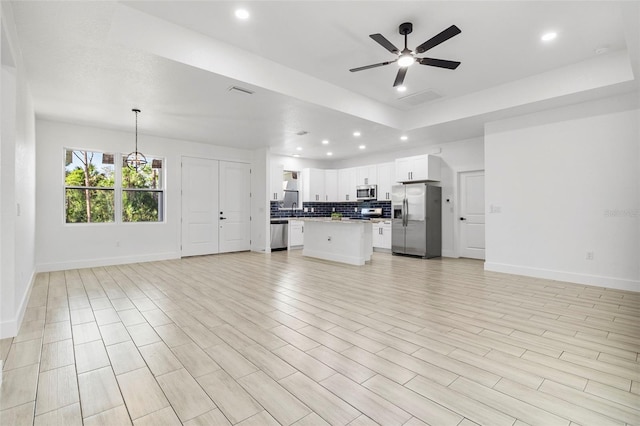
x=405 y=214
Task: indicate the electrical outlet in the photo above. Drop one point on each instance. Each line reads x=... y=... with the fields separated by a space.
x=333 y=209
x=589 y=255
x=355 y=209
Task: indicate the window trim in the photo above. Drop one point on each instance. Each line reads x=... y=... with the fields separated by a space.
x=117 y=188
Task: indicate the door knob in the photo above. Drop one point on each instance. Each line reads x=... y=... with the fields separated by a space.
x=463 y=218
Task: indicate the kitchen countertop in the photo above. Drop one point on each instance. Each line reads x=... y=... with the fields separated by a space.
x=324 y=219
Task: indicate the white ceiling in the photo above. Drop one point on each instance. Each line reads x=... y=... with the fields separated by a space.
x=92 y=61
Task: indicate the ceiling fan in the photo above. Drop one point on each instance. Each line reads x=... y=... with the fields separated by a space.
x=407 y=57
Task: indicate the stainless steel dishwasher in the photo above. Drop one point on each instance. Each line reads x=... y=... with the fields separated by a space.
x=279 y=234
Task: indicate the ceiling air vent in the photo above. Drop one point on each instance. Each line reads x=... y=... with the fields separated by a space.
x=420 y=97
x=241 y=90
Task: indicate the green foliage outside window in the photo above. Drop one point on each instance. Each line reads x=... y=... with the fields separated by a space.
x=89 y=192
x=90 y=189
x=142 y=193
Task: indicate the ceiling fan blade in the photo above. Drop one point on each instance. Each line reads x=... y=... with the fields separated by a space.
x=382 y=41
x=440 y=63
x=400 y=76
x=366 y=67
x=438 y=38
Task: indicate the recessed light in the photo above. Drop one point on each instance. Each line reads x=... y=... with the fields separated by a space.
x=404 y=137
x=296 y=155
x=325 y=142
x=299 y=148
x=356 y=134
x=401 y=88
x=549 y=36
x=242 y=14
x=329 y=153
x=362 y=146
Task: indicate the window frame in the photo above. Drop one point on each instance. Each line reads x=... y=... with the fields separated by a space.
x=117 y=189
x=162 y=206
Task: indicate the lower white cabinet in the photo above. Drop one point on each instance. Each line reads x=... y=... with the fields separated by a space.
x=381 y=236
x=296 y=234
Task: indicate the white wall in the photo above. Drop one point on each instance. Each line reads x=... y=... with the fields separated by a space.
x=17 y=182
x=567 y=182
x=260 y=230
x=63 y=246
x=456 y=156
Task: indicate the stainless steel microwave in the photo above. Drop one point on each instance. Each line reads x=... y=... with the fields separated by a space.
x=366 y=192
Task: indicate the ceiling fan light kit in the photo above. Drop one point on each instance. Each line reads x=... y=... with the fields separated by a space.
x=406 y=57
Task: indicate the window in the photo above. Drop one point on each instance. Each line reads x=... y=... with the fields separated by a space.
x=97 y=190
x=89 y=187
x=142 y=192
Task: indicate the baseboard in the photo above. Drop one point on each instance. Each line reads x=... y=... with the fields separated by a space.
x=572 y=277
x=10 y=328
x=110 y=261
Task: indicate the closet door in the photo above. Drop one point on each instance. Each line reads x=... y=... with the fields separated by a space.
x=199 y=206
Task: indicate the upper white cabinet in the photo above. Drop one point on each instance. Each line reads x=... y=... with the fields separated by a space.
x=276 y=180
x=366 y=175
x=319 y=185
x=312 y=185
x=347 y=182
x=331 y=185
x=418 y=168
x=385 y=180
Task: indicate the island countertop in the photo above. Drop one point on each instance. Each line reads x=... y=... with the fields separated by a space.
x=328 y=219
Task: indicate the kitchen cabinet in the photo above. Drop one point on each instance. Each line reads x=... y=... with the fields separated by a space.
x=331 y=185
x=347 y=182
x=319 y=185
x=276 y=192
x=366 y=175
x=381 y=236
x=418 y=168
x=313 y=185
x=296 y=234
x=386 y=179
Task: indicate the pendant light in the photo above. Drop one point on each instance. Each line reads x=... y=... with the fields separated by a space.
x=136 y=159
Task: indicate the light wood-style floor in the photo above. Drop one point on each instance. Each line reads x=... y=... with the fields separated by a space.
x=255 y=339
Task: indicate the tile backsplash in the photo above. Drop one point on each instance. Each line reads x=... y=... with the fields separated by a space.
x=325 y=209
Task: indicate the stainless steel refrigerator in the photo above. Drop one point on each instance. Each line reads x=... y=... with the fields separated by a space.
x=417 y=220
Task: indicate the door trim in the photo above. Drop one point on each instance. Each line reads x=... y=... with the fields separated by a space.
x=456 y=206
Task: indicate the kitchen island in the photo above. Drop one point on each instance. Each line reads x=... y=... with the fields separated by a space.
x=347 y=241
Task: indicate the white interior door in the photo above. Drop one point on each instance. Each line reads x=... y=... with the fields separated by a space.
x=199 y=206
x=235 y=202
x=472 y=214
